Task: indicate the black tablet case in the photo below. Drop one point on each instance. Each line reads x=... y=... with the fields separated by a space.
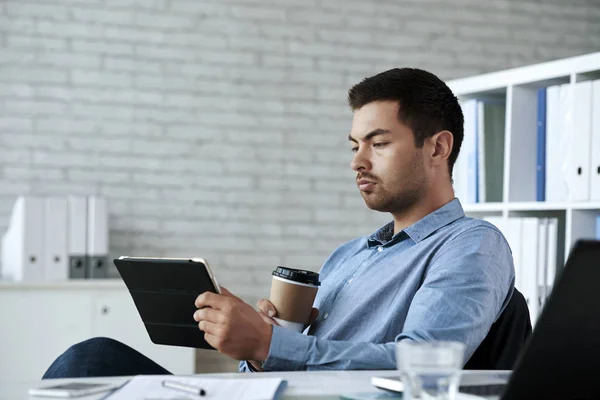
x=164 y=293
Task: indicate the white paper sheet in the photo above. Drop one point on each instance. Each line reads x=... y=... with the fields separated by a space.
x=146 y=387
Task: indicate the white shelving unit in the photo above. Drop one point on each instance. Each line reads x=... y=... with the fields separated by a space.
x=517 y=88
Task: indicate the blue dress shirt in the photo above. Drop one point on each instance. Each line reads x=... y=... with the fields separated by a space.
x=446 y=277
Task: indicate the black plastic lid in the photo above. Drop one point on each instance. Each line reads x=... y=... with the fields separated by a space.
x=298 y=275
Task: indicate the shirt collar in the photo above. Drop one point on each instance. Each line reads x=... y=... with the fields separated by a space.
x=421 y=229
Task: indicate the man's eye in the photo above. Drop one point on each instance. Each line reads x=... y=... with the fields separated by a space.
x=379 y=144
x=354 y=149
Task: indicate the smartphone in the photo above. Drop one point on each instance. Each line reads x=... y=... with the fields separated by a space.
x=73 y=389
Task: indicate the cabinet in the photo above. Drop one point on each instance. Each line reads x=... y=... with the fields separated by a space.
x=39 y=321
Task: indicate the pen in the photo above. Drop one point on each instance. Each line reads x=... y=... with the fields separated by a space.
x=184 y=387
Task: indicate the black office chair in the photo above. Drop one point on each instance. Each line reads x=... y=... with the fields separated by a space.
x=506 y=338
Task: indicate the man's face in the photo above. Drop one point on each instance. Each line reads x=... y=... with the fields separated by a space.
x=390 y=172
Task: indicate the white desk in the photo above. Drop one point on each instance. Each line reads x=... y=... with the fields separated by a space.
x=309 y=385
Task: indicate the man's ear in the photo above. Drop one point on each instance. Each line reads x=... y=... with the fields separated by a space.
x=440 y=146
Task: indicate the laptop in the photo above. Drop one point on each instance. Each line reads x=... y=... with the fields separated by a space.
x=561 y=359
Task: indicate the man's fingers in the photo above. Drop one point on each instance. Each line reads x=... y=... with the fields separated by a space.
x=268 y=319
x=215 y=341
x=208 y=299
x=208 y=314
x=267 y=307
x=209 y=327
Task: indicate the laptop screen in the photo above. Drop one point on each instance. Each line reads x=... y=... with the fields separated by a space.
x=562 y=356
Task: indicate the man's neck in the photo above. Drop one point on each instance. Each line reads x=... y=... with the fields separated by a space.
x=427 y=205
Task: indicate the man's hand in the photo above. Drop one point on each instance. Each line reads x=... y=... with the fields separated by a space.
x=232 y=326
x=267 y=310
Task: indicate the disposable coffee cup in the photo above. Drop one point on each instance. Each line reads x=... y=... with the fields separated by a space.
x=293 y=293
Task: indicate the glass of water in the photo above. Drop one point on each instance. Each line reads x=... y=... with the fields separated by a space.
x=430 y=370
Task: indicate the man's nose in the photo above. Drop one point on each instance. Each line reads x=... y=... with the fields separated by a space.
x=360 y=161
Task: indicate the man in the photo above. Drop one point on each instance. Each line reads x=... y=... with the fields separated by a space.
x=430 y=274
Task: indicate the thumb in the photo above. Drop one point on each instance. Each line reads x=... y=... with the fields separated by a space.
x=267 y=307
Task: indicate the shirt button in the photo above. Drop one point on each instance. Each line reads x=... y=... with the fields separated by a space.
x=380 y=249
x=325 y=316
x=350 y=281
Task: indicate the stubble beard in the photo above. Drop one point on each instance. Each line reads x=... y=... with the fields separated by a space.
x=409 y=190
x=399 y=202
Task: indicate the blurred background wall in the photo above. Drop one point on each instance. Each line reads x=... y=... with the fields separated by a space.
x=218 y=128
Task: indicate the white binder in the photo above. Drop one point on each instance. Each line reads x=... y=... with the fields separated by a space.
x=578 y=176
x=557 y=121
x=513 y=235
x=55 y=261
x=464 y=174
x=23 y=242
x=552 y=254
x=480 y=153
x=529 y=265
x=595 y=151
x=77 y=236
x=97 y=237
x=469 y=152
x=459 y=178
x=542 y=249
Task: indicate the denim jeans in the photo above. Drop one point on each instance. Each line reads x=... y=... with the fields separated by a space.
x=102 y=357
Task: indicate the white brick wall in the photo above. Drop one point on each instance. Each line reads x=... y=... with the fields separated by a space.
x=218 y=128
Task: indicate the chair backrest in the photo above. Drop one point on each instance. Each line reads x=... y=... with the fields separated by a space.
x=506 y=338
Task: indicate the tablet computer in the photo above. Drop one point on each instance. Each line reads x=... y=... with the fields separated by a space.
x=164 y=291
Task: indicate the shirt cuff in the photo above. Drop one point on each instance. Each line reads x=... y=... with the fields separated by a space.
x=288 y=350
x=245 y=366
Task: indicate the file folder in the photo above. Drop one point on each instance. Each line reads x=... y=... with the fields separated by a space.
x=97 y=238
x=461 y=173
x=595 y=153
x=558 y=120
x=578 y=177
x=480 y=158
x=552 y=254
x=23 y=242
x=529 y=265
x=55 y=261
x=470 y=169
x=541 y=145
x=542 y=258
x=514 y=235
x=77 y=236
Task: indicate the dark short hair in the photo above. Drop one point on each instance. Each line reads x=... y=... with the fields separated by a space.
x=427 y=105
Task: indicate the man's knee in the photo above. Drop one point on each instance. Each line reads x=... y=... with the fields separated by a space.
x=92 y=357
x=94 y=345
